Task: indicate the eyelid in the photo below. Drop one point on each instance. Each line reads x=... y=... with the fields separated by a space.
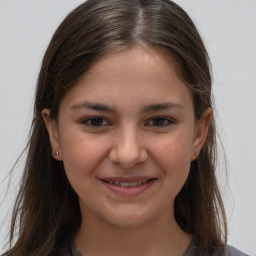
x=85 y=121
x=169 y=120
x=105 y=122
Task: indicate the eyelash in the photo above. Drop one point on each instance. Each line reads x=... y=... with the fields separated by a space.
x=88 y=122
x=164 y=121
x=103 y=122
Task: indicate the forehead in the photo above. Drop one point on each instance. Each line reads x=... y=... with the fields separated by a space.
x=137 y=74
x=138 y=56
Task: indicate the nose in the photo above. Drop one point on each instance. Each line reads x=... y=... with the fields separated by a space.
x=128 y=148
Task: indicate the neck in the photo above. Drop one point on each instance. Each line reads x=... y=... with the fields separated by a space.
x=160 y=237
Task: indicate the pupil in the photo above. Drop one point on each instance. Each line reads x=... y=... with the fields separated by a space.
x=158 y=121
x=96 y=121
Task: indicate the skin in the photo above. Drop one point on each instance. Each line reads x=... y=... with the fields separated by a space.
x=109 y=126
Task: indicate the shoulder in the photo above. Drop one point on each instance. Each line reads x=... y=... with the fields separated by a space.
x=231 y=251
x=65 y=248
x=65 y=252
x=226 y=251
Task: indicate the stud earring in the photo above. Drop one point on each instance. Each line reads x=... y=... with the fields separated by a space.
x=56 y=153
x=195 y=154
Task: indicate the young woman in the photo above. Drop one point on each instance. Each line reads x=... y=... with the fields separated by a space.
x=122 y=154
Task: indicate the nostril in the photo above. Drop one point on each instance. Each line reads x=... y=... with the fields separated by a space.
x=128 y=150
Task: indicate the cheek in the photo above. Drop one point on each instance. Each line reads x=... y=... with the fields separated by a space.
x=82 y=154
x=173 y=155
x=174 y=148
x=174 y=158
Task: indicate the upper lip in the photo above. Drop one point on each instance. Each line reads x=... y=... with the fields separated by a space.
x=127 y=179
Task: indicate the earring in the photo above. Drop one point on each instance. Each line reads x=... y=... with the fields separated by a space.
x=56 y=153
x=195 y=154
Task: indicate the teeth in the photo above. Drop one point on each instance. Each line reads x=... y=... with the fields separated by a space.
x=124 y=184
x=127 y=184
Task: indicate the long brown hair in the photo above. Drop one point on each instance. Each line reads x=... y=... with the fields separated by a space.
x=47 y=208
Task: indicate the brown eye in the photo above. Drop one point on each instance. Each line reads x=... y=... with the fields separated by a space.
x=159 y=121
x=95 y=122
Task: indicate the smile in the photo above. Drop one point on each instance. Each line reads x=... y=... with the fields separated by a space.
x=128 y=186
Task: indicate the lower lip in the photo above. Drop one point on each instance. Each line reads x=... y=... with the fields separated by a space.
x=129 y=191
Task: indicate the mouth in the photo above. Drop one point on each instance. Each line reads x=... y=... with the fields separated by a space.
x=128 y=186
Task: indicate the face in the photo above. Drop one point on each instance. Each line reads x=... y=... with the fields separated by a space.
x=127 y=135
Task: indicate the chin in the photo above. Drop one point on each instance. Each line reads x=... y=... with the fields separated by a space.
x=128 y=223
x=131 y=218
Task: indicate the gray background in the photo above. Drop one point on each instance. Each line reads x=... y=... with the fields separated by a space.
x=229 y=30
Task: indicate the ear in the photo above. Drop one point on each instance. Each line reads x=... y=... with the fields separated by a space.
x=53 y=134
x=201 y=131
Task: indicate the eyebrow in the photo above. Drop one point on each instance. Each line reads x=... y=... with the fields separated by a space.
x=162 y=106
x=148 y=108
x=94 y=106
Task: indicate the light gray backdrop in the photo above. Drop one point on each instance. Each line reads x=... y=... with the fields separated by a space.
x=229 y=30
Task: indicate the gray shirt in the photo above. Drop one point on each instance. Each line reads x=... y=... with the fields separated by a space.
x=191 y=251
x=228 y=251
